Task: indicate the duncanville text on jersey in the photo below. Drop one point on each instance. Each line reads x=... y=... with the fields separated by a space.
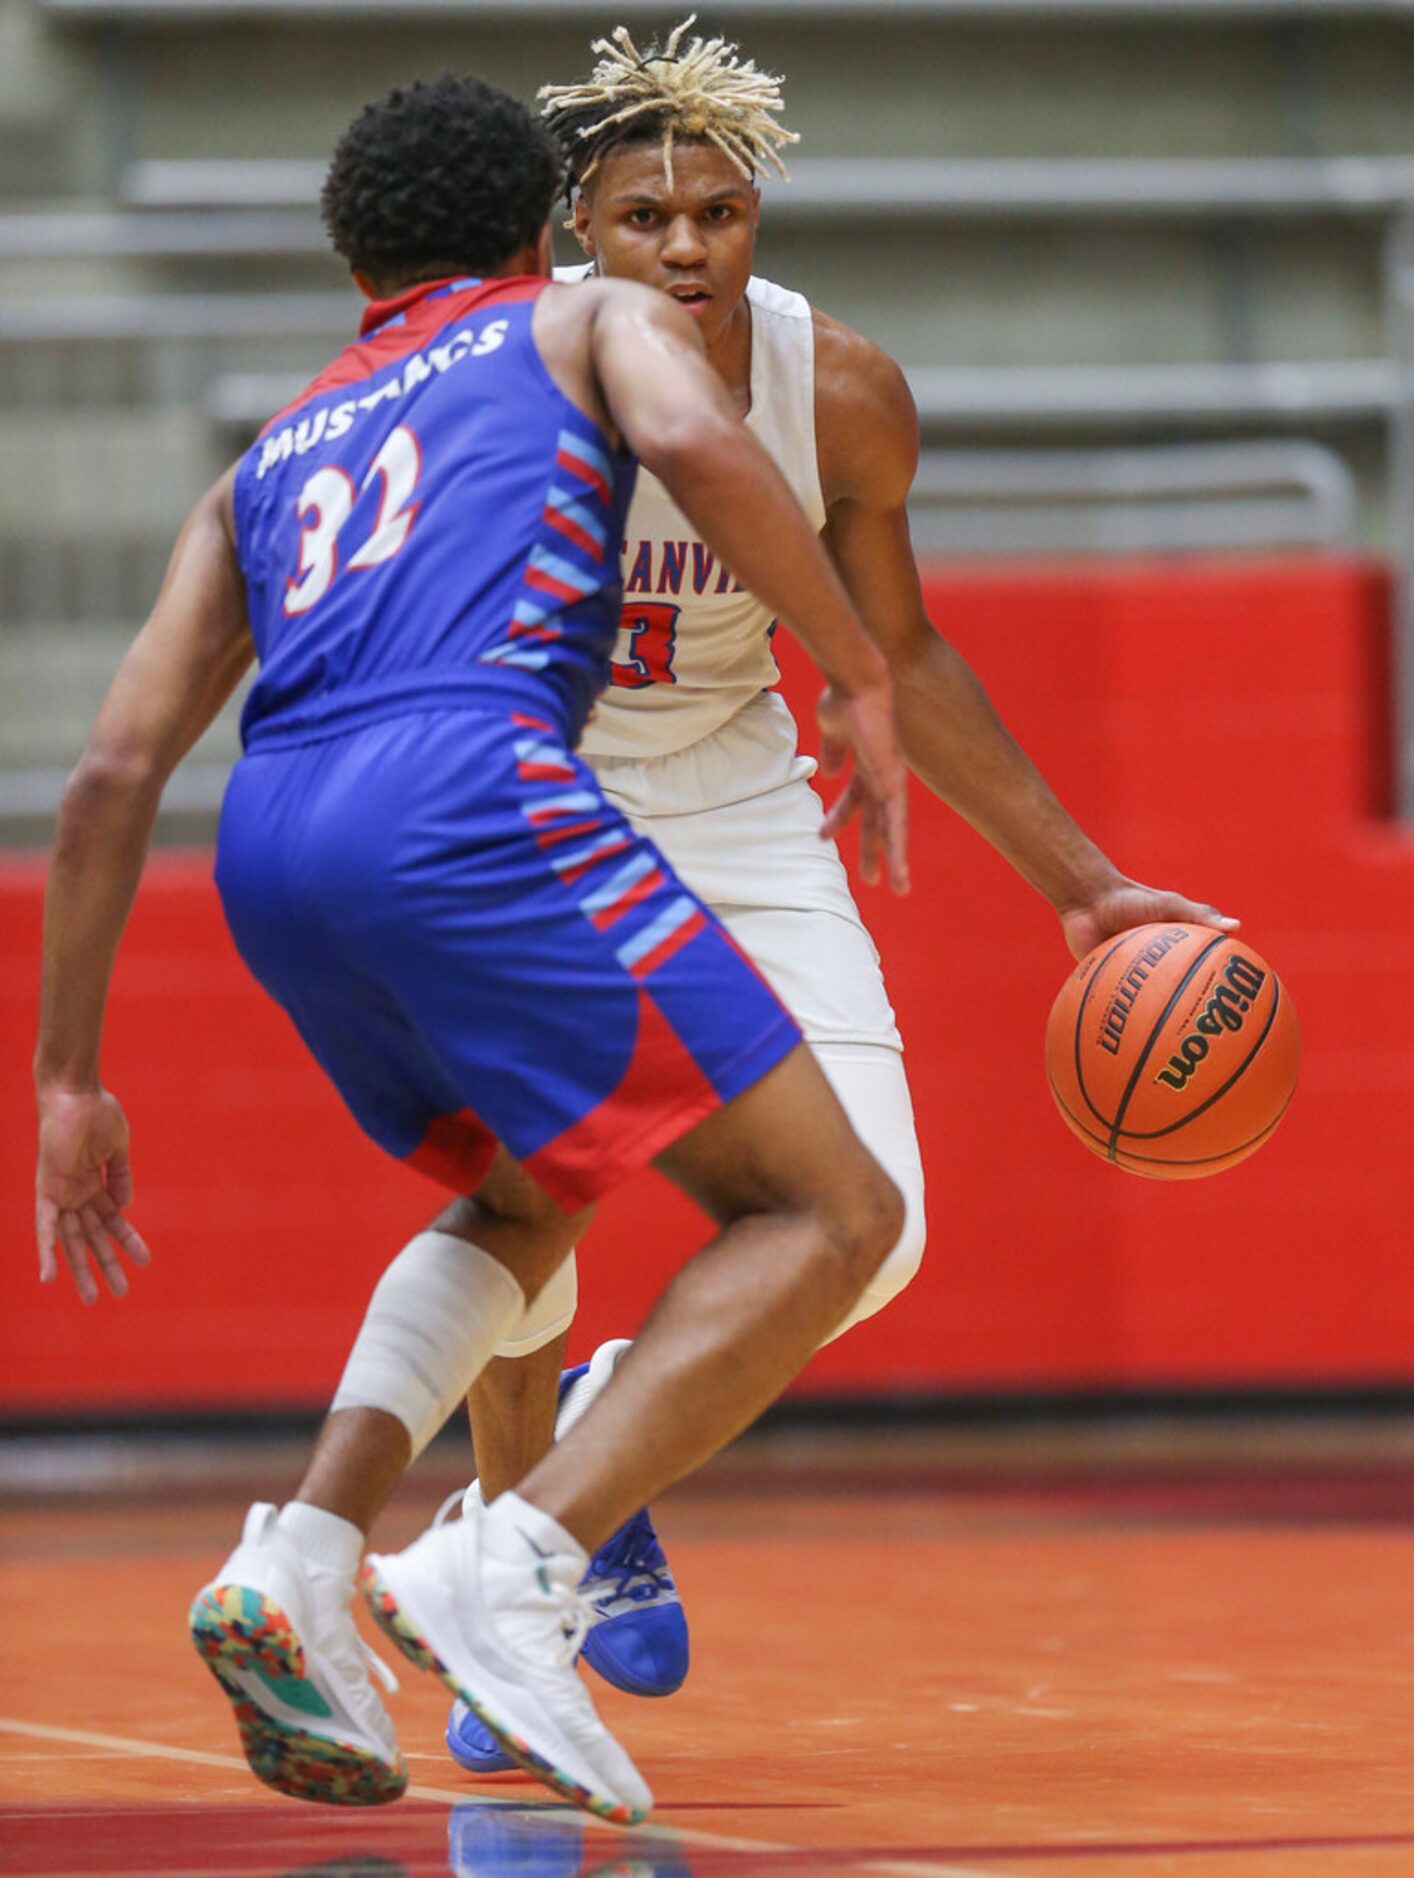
x=675 y=567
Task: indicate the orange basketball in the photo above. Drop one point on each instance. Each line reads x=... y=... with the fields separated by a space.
x=1173 y=1051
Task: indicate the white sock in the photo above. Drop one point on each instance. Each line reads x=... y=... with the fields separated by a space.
x=321 y=1538
x=434 y=1321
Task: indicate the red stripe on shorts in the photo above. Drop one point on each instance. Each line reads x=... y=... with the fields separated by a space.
x=665 y=948
x=456 y=1151
x=662 y=1094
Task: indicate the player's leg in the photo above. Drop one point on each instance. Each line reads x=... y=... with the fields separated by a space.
x=274 y=1624
x=305 y=868
x=513 y=1402
x=872 y=1086
x=425 y=1336
x=746 y=836
x=450 y=1009
x=512 y=1407
x=641 y=1641
x=808 y=1216
x=592 y=1012
x=737 y=817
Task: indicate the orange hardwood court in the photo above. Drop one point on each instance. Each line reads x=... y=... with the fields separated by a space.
x=1068 y=1656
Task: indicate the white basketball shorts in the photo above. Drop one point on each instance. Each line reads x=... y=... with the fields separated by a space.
x=736 y=816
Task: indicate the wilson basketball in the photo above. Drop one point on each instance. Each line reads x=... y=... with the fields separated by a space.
x=1173 y=1051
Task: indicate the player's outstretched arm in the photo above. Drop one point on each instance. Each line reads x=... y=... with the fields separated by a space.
x=952 y=736
x=675 y=414
x=175 y=677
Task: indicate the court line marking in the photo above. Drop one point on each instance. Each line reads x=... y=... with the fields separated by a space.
x=688 y=1835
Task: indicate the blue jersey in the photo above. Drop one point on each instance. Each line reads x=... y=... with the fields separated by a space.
x=432 y=522
x=475 y=944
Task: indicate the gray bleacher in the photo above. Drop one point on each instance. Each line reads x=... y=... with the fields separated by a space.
x=1140 y=258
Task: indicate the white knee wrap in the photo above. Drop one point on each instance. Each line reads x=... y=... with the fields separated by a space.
x=873 y=1092
x=549 y=1317
x=433 y=1323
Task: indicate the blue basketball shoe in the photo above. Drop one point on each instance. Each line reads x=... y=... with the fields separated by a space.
x=639 y=1642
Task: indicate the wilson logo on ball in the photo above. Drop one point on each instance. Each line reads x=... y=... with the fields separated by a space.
x=1224 y=1011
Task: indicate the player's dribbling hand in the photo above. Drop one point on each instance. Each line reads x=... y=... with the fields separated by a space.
x=1124 y=903
x=82 y=1183
x=863 y=726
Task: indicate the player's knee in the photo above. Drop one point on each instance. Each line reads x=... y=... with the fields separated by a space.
x=895 y=1274
x=516 y=1214
x=865 y=1225
x=899 y=1267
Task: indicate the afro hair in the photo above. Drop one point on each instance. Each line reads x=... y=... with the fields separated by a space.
x=448 y=173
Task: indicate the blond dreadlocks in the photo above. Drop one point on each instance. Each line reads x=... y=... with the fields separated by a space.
x=705 y=93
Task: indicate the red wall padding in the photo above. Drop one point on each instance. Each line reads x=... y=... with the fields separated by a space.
x=1218 y=728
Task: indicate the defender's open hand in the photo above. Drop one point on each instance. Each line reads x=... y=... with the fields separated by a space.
x=82 y=1183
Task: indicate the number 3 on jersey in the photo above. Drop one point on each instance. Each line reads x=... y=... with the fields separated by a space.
x=327 y=501
x=648 y=634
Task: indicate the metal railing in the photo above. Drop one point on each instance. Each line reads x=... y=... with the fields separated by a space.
x=965 y=502
x=1010 y=398
x=1170 y=499
x=825 y=188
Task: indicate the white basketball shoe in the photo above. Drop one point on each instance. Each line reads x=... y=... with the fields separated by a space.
x=277 y=1633
x=490 y=1603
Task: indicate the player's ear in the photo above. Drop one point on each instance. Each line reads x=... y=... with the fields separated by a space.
x=583 y=224
x=364 y=283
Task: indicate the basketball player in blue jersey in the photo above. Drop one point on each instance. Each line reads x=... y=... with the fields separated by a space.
x=663 y=149
x=505 y=981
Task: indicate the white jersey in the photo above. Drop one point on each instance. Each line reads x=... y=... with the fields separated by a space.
x=694 y=646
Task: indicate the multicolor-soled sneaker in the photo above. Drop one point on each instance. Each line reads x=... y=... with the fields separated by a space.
x=489 y=1603
x=639 y=1642
x=277 y=1634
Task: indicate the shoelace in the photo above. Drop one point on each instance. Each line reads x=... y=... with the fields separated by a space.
x=383 y=1671
x=577 y=1616
x=444 y=1511
x=637 y=1556
x=352 y=1664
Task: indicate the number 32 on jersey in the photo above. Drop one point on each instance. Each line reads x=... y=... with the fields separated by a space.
x=327 y=501
x=648 y=638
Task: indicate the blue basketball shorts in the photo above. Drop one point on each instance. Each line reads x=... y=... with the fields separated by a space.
x=477 y=948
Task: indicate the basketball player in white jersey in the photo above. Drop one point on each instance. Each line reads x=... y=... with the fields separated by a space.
x=663 y=150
